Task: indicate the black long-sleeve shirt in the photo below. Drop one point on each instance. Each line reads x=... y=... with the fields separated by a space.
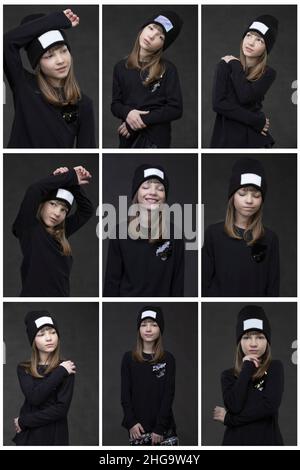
x=45 y=271
x=147 y=393
x=230 y=270
x=37 y=123
x=238 y=104
x=252 y=407
x=43 y=416
x=135 y=268
x=163 y=99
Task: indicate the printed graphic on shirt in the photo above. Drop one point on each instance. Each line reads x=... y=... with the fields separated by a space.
x=164 y=251
x=261 y=384
x=159 y=369
x=258 y=252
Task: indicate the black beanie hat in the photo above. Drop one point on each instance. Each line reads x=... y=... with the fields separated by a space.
x=171 y=24
x=252 y=318
x=61 y=194
x=38 y=46
x=154 y=313
x=247 y=172
x=146 y=172
x=36 y=320
x=267 y=27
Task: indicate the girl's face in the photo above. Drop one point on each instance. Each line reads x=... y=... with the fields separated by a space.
x=151 y=194
x=53 y=213
x=151 y=38
x=247 y=201
x=46 y=340
x=254 y=343
x=55 y=64
x=149 y=330
x=253 y=45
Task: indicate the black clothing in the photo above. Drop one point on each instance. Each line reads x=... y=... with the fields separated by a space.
x=162 y=98
x=231 y=268
x=252 y=407
x=37 y=123
x=43 y=416
x=137 y=268
x=45 y=271
x=147 y=393
x=238 y=104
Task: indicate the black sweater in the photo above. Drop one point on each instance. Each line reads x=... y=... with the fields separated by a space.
x=147 y=393
x=37 y=123
x=252 y=412
x=135 y=269
x=163 y=99
x=43 y=416
x=229 y=269
x=45 y=271
x=238 y=104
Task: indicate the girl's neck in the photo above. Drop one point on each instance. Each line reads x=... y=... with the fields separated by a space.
x=251 y=62
x=55 y=82
x=44 y=358
x=144 y=56
x=241 y=221
x=148 y=348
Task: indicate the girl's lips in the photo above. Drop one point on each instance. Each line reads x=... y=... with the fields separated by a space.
x=249 y=49
x=147 y=42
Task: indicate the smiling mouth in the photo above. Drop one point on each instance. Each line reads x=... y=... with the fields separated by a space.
x=62 y=69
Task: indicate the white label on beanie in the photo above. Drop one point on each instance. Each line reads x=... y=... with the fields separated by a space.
x=253 y=323
x=148 y=313
x=43 y=321
x=50 y=37
x=165 y=22
x=66 y=195
x=251 y=178
x=261 y=27
x=154 y=171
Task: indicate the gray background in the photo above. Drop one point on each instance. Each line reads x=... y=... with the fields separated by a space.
x=79 y=334
x=180 y=338
x=19 y=172
x=182 y=173
x=218 y=349
x=280 y=207
x=222 y=30
x=121 y=24
x=84 y=42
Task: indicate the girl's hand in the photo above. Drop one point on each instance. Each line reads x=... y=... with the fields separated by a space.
x=60 y=170
x=134 y=119
x=266 y=127
x=252 y=358
x=136 y=431
x=219 y=414
x=72 y=17
x=156 y=438
x=69 y=366
x=83 y=175
x=228 y=58
x=17 y=427
x=123 y=131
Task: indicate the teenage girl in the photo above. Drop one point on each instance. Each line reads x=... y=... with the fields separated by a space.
x=148 y=382
x=47 y=383
x=43 y=230
x=240 y=256
x=252 y=390
x=239 y=87
x=50 y=109
x=146 y=89
x=148 y=261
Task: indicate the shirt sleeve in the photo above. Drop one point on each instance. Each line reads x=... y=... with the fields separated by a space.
x=114 y=270
x=118 y=108
x=250 y=91
x=267 y=400
x=83 y=212
x=235 y=389
x=126 y=393
x=21 y=36
x=35 y=194
x=178 y=274
x=86 y=133
x=165 y=412
x=227 y=106
x=53 y=412
x=274 y=270
x=208 y=263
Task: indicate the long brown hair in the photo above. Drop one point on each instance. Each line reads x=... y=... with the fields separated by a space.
x=256 y=72
x=70 y=94
x=265 y=359
x=154 y=67
x=158 y=352
x=31 y=366
x=253 y=232
x=58 y=232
